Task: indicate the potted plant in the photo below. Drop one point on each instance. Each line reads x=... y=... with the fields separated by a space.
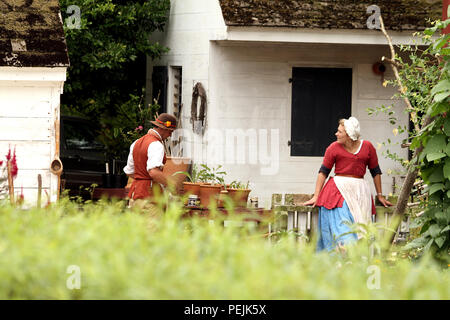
x=213 y=183
x=193 y=185
x=239 y=192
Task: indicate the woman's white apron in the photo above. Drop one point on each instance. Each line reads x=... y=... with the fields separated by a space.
x=357 y=195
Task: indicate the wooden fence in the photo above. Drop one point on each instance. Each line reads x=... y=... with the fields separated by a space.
x=302 y=221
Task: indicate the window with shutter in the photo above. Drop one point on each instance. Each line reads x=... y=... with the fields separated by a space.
x=320 y=97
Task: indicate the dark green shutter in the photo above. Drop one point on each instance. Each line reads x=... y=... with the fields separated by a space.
x=320 y=97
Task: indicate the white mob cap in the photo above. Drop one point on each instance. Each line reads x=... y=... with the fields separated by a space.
x=352 y=128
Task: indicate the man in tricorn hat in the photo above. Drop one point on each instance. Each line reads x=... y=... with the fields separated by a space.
x=147 y=158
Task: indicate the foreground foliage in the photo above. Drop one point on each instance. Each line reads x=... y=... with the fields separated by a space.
x=124 y=254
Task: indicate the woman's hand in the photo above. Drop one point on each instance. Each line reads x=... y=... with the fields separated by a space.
x=383 y=201
x=311 y=202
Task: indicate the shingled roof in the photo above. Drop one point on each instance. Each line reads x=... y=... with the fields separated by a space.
x=333 y=14
x=31 y=34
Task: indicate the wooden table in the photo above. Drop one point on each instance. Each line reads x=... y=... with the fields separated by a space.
x=249 y=214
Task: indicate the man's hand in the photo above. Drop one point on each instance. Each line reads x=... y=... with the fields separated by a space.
x=158 y=176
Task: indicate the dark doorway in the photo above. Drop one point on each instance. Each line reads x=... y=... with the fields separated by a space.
x=320 y=97
x=159 y=82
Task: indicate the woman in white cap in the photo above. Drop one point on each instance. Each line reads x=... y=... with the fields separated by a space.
x=346 y=198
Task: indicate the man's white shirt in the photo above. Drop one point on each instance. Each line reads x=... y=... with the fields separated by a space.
x=155 y=154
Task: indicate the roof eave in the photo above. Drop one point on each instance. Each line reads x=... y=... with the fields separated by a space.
x=303 y=35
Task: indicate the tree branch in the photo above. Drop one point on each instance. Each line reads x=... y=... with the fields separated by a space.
x=395 y=63
x=402 y=88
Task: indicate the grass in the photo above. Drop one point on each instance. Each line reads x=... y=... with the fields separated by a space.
x=120 y=256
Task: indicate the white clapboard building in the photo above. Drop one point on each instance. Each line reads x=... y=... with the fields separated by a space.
x=281 y=74
x=33 y=64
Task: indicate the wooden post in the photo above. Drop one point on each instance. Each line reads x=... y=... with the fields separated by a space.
x=56 y=166
x=39 y=190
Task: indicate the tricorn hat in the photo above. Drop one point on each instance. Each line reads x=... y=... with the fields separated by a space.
x=165 y=121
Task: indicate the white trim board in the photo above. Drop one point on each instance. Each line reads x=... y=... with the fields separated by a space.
x=297 y=35
x=11 y=74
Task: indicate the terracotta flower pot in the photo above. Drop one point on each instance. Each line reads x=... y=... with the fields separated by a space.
x=209 y=193
x=191 y=188
x=173 y=165
x=222 y=195
x=239 y=196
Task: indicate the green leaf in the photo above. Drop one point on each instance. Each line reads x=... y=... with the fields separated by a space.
x=428 y=245
x=430 y=31
x=447 y=185
x=436 y=187
x=436 y=144
x=441 y=216
x=447 y=149
x=439 y=44
x=416 y=243
x=445 y=51
x=447 y=128
x=434 y=230
x=435 y=156
x=425 y=227
x=116 y=132
x=447 y=168
x=437 y=109
x=447 y=228
x=441 y=96
x=435 y=197
x=437 y=175
x=443 y=85
x=440 y=241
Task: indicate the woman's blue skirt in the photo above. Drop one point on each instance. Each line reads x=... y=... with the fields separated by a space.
x=333 y=224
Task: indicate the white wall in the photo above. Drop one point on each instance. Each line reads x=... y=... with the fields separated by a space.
x=249 y=88
x=29 y=104
x=191 y=26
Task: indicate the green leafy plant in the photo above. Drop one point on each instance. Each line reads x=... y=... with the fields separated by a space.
x=425 y=81
x=193 y=176
x=239 y=185
x=212 y=175
x=132 y=122
x=108 y=54
x=205 y=174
